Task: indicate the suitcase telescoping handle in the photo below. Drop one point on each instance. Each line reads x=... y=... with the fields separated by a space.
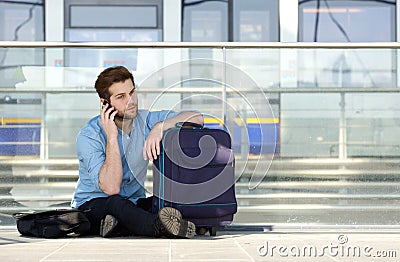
x=188 y=125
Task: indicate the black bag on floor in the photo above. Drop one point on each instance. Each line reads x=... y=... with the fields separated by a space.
x=52 y=224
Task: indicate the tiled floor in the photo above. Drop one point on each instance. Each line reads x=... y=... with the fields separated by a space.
x=275 y=245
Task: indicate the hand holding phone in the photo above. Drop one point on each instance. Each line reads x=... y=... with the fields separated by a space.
x=107 y=117
x=107 y=105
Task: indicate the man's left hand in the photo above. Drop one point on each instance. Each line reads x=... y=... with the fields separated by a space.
x=151 y=148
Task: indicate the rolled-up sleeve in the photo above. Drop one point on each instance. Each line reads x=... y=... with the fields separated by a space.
x=91 y=155
x=158 y=116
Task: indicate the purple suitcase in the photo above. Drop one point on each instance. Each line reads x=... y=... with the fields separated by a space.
x=195 y=174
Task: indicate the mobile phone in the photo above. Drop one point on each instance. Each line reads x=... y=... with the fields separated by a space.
x=107 y=104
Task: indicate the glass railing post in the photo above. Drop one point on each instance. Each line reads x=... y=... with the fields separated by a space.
x=224 y=101
x=342 y=128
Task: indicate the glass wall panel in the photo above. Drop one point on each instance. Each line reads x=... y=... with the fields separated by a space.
x=184 y=83
x=21 y=116
x=346 y=68
x=347 y=20
x=310 y=125
x=93 y=16
x=65 y=115
x=205 y=21
x=303 y=154
x=237 y=20
x=103 y=21
x=373 y=125
x=255 y=21
x=20 y=21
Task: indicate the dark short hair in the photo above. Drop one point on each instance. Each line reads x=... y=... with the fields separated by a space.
x=110 y=76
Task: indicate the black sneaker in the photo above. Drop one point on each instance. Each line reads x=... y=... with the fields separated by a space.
x=107 y=226
x=172 y=223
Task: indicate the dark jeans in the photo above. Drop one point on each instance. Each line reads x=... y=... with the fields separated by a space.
x=132 y=219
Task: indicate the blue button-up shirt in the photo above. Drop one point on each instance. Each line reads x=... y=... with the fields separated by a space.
x=91 y=149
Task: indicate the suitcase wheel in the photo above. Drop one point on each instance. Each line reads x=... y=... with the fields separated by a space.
x=201 y=231
x=213 y=231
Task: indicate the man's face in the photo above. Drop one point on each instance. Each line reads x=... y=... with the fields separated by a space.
x=124 y=98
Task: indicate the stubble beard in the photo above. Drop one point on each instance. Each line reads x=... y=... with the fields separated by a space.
x=130 y=115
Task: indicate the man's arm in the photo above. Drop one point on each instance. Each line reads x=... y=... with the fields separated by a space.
x=110 y=175
x=151 y=148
